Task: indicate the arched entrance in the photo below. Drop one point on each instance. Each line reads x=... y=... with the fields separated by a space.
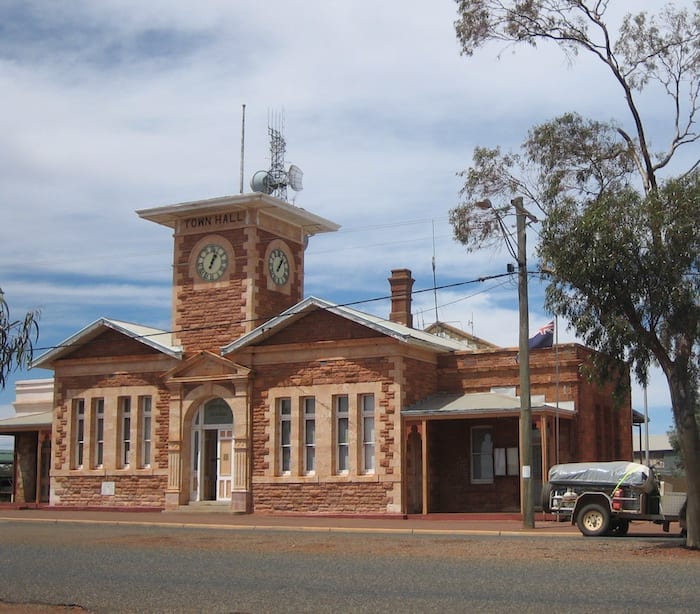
x=212 y=452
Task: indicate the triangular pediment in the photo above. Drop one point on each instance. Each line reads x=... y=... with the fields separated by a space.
x=207 y=367
x=106 y=338
x=357 y=324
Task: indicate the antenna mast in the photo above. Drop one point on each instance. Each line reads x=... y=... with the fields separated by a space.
x=278 y=147
x=276 y=180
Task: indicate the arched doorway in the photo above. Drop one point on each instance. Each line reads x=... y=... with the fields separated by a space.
x=212 y=452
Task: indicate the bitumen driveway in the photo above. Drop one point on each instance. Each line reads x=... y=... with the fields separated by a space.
x=464 y=524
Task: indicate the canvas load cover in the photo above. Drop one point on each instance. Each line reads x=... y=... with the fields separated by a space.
x=614 y=473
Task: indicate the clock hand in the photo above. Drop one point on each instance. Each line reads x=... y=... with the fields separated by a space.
x=214 y=256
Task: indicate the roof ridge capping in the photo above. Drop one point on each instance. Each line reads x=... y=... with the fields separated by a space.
x=155 y=338
x=395 y=330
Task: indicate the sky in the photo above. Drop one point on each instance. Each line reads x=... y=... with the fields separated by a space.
x=114 y=106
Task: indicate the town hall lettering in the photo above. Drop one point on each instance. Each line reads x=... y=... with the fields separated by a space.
x=216 y=219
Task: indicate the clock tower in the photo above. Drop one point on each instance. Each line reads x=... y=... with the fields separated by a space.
x=237 y=262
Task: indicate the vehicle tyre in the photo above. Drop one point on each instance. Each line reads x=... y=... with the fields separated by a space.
x=546 y=491
x=618 y=527
x=593 y=520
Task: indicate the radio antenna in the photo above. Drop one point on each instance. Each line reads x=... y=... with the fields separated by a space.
x=276 y=180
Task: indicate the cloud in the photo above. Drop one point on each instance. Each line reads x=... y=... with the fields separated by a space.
x=115 y=106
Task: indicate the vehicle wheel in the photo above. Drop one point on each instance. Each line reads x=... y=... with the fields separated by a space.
x=593 y=520
x=546 y=491
x=618 y=527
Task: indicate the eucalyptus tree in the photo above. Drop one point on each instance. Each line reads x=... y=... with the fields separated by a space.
x=620 y=221
x=17 y=338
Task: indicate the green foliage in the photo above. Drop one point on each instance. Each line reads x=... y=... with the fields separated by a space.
x=17 y=340
x=475 y=222
x=663 y=49
x=622 y=245
x=579 y=156
x=628 y=272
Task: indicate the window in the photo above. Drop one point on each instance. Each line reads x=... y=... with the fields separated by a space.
x=309 y=404
x=78 y=432
x=482 y=455
x=146 y=428
x=367 y=408
x=342 y=427
x=98 y=424
x=125 y=431
x=284 y=412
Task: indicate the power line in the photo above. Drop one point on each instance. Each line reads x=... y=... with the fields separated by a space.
x=255 y=320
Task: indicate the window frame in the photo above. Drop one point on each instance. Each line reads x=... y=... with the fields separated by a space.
x=481 y=455
x=146 y=430
x=125 y=440
x=341 y=416
x=309 y=424
x=98 y=432
x=368 y=444
x=284 y=426
x=78 y=438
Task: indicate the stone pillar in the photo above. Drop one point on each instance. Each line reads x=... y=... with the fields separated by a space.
x=172 y=494
x=240 y=491
x=25 y=467
x=174 y=488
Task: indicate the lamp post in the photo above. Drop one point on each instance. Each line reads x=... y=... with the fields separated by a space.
x=525 y=426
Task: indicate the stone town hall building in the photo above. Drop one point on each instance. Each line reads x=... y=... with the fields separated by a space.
x=264 y=400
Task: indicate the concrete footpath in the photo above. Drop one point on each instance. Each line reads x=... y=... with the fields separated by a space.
x=464 y=524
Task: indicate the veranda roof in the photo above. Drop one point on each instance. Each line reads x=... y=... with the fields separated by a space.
x=446 y=405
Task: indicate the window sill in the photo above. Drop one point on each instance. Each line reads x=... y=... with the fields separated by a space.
x=286 y=479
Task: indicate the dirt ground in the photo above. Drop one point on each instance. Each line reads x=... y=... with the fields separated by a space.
x=424 y=546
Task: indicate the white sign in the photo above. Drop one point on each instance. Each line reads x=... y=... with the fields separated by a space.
x=526 y=472
x=108 y=489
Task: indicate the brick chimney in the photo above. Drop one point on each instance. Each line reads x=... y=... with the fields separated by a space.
x=401 y=284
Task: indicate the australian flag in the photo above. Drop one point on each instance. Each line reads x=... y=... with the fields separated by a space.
x=544 y=338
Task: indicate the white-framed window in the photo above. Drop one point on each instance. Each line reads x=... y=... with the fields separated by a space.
x=368 y=437
x=78 y=432
x=124 y=405
x=481 y=455
x=342 y=430
x=98 y=425
x=284 y=416
x=146 y=416
x=309 y=405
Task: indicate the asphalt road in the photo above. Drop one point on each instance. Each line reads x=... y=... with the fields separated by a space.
x=110 y=568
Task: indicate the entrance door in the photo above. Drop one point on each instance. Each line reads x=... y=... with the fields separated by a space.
x=224 y=472
x=209 y=466
x=212 y=452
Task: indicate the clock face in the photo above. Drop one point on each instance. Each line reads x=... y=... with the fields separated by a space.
x=212 y=262
x=278 y=266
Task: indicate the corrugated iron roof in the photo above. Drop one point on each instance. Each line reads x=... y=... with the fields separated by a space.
x=155 y=338
x=444 y=404
x=26 y=422
x=386 y=327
